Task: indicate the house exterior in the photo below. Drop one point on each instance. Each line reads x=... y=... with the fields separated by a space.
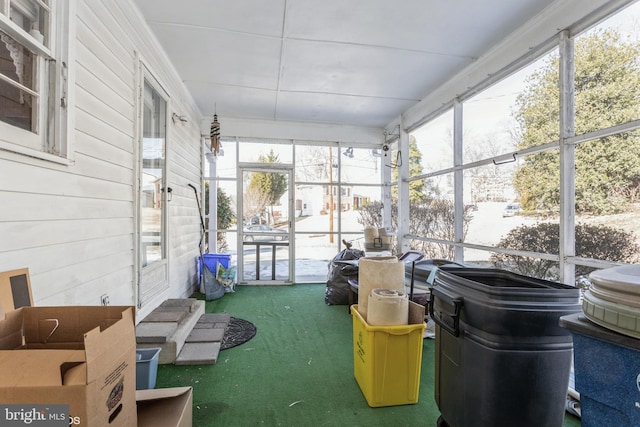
x=104 y=213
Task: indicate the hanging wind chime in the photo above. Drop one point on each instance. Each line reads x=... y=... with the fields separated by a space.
x=215 y=135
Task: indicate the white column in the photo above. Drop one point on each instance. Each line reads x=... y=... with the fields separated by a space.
x=567 y=160
x=403 y=189
x=213 y=204
x=458 y=179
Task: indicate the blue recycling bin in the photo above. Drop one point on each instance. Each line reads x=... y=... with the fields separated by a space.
x=606 y=373
x=211 y=261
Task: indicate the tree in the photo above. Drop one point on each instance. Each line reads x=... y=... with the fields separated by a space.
x=254 y=201
x=416 y=188
x=271 y=184
x=607 y=73
x=311 y=163
x=226 y=215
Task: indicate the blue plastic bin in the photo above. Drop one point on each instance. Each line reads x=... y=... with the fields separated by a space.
x=606 y=373
x=146 y=367
x=211 y=261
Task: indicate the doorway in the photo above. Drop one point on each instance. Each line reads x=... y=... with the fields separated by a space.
x=265 y=203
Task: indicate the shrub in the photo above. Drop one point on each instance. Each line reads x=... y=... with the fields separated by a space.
x=592 y=241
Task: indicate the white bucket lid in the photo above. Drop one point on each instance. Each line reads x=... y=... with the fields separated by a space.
x=614 y=316
x=617 y=284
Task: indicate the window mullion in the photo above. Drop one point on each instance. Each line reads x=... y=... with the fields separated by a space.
x=23 y=37
x=43 y=5
x=19 y=86
x=567 y=159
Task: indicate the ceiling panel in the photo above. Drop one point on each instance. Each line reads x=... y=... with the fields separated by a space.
x=356 y=62
x=337 y=109
x=460 y=28
x=256 y=17
x=220 y=57
x=246 y=102
x=367 y=71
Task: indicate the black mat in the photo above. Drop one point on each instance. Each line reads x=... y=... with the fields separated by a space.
x=238 y=332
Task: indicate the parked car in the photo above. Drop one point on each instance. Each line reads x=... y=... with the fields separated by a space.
x=511 y=210
x=264 y=233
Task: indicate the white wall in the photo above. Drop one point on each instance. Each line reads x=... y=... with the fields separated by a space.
x=74 y=226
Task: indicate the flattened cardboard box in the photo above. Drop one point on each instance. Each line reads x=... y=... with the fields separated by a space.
x=81 y=356
x=165 y=407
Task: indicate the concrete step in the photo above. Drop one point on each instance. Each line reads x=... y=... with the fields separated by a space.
x=168 y=326
x=202 y=346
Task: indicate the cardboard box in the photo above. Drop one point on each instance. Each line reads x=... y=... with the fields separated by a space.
x=165 y=407
x=83 y=357
x=15 y=290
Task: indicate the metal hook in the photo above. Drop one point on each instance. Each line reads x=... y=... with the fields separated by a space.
x=176 y=117
x=398 y=162
x=57 y=322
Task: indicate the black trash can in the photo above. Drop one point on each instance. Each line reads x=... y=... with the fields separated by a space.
x=501 y=358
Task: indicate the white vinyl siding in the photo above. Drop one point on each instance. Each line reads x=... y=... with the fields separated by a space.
x=74 y=224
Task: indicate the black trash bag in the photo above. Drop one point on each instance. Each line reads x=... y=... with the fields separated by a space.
x=340 y=271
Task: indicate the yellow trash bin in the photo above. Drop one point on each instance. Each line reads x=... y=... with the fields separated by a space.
x=387 y=359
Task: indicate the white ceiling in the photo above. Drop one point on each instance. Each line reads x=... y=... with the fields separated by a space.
x=345 y=62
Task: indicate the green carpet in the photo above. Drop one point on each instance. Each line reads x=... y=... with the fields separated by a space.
x=296 y=371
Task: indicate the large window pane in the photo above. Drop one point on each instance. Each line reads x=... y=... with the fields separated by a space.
x=434 y=218
x=153 y=176
x=32 y=16
x=434 y=141
x=317 y=239
x=313 y=163
x=253 y=152
x=489 y=183
x=607 y=173
x=607 y=72
x=360 y=166
x=515 y=206
x=18 y=106
x=225 y=206
x=518 y=112
x=313 y=254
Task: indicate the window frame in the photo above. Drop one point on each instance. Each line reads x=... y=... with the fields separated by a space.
x=53 y=137
x=149 y=79
x=565 y=143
